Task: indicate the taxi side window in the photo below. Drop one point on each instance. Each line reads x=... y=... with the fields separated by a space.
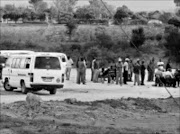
x=13 y=63
x=27 y=63
x=7 y=64
x=63 y=58
x=17 y=63
x=22 y=64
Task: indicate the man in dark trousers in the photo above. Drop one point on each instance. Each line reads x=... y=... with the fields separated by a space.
x=168 y=65
x=126 y=68
x=143 y=68
x=81 y=68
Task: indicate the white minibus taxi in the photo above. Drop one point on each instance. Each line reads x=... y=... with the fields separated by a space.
x=4 y=54
x=63 y=57
x=35 y=72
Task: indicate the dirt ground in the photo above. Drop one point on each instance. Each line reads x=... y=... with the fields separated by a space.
x=141 y=116
x=94 y=108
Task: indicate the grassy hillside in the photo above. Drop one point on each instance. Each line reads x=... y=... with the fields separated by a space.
x=56 y=33
x=50 y=38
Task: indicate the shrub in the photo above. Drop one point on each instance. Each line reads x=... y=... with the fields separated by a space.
x=159 y=37
x=75 y=47
x=71 y=27
x=138 y=37
x=32 y=46
x=122 y=44
x=174 y=21
x=104 y=40
x=6 y=45
x=172 y=43
x=93 y=52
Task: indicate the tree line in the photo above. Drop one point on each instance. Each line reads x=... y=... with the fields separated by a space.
x=95 y=12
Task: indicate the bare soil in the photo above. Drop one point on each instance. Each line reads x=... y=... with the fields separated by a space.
x=131 y=115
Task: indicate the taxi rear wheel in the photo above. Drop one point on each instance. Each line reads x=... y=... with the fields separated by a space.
x=53 y=91
x=24 y=90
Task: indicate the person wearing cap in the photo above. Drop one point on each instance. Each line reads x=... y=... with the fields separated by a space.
x=126 y=68
x=160 y=65
x=119 y=69
x=136 y=72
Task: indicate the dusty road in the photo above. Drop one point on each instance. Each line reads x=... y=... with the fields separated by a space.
x=94 y=91
x=128 y=116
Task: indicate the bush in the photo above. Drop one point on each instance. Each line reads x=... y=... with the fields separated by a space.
x=93 y=52
x=32 y=46
x=75 y=47
x=122 y=44
x=138 y=22
x=159 y=37
x=71 y=26
x=6 y=45
x=104 y=41
x=138 y=37
x=172 y=42
x=174 y=21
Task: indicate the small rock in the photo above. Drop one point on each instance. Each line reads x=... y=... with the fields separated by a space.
x=33 y=100
x=71 y=100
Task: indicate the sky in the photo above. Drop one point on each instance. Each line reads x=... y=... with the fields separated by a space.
x=134 y=5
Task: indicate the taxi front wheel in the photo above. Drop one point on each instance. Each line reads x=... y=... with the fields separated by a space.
x=7 y=87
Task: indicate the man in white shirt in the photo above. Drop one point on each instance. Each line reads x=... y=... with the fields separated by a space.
x=160 y=65
x=68 y=67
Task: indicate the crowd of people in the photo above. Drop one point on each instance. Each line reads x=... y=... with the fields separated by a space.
x=122 y=71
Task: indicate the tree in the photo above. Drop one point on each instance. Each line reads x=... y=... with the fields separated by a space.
x=174 y=21
x=178 y=13
x=1 y=12
x=64 y=7
x=93 y=52
x=85 y=12
x=71 y=27
x=138 y=37
x=11 y=12
x=41 y=7
x=122 y=12
x=53 y=12
x=35 y=3
x=172 y=37
x=9 y=8
x=165 y=16
x=99 y=9
x=104 y=41
x=177 y=2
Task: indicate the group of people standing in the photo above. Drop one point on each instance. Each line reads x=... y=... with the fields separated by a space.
x=119 y=72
